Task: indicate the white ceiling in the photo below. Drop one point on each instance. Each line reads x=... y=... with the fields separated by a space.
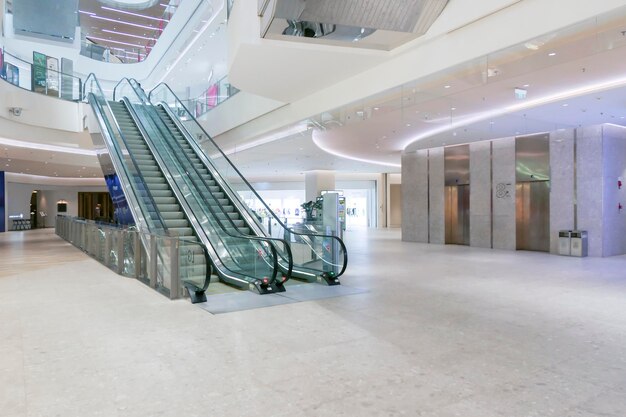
x=479 y=104
x=574 y=77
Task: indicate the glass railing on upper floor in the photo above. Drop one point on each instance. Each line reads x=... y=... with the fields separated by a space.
x=213 y=96
x=111 y=54
x=40 y=79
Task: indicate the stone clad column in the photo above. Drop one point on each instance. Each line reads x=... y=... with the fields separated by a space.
x=480 y=194
x=437 y=221
x=503 y=165
x=415 y=196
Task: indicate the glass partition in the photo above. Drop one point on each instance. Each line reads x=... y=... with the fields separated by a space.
x=56 y=84
x=180 y=264
x=214 y=95
x=242 y=259
x=226 y=174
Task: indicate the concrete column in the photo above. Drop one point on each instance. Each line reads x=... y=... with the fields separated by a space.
x=4 y=219
x=415 y=196
x=480 y=194
x=317 y=181
x=503 y=165
x=383 y=196
x=436 y=176
x=562 y=195
x=589 y=186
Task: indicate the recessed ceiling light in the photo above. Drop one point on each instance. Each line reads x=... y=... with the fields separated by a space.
x=453 y=108
x=408 y=125
x=552 y=54
x=376 y=108
x=447 y=86
x=526 y=85
x=565 y=105
x=492 y=123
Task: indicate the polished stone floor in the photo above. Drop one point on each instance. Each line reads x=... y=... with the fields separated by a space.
x=442 y=331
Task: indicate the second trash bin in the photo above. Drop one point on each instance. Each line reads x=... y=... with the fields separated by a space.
x=579 y=243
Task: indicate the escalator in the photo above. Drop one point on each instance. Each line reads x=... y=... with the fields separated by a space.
x=244 y=262
x=316 y=257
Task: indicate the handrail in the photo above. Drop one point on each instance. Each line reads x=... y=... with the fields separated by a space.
x=133 y=159
x=340 y=241
x=150 y=144
x=139 y=93
x=206 y=186
x=60 y=76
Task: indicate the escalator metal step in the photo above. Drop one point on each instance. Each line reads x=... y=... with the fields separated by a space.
x=176 y=223
x=181 y=231
x=165 y=200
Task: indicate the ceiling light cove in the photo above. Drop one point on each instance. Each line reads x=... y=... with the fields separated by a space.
x=318 y=143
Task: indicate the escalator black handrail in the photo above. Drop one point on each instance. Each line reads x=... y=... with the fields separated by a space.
x=288 y=257
x=207 y=279
x=284 y=243
x=188 y=136
x=244 y=208
x=274 y=253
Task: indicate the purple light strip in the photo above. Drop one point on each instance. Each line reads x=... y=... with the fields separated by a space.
x=128 y=34
x=134 y=14
x=123 y=22
x=112 y=41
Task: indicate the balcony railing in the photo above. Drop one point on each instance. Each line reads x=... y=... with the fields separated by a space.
x=214 y=95
x=39 y=79
x=164 y=263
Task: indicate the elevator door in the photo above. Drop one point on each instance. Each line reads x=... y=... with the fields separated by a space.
x=457 y=214
x=533 y=215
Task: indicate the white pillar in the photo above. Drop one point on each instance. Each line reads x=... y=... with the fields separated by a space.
x=317 y=181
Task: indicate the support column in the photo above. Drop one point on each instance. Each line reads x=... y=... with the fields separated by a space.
x=317 y=181
x=3 y=199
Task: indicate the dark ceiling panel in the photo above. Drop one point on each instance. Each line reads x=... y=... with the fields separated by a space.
x=54 y=20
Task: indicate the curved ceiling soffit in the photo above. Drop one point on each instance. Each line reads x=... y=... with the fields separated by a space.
x=130 y=4
x=319 y=140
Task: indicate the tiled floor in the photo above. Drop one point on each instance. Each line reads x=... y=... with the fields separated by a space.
x=442 y=331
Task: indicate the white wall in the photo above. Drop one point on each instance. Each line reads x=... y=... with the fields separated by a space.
x=19 y=195
x=614 y=170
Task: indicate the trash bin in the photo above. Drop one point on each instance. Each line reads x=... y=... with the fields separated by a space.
x=579 y=243
x=565 y=242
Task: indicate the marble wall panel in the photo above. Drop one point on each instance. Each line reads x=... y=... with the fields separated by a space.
x=503 y=165
x=561 y=184
x=437 y=196
x=415 y=196
x=480 y=194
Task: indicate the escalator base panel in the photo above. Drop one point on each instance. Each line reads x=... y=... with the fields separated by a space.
x=328 y=280
x=260 y=288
